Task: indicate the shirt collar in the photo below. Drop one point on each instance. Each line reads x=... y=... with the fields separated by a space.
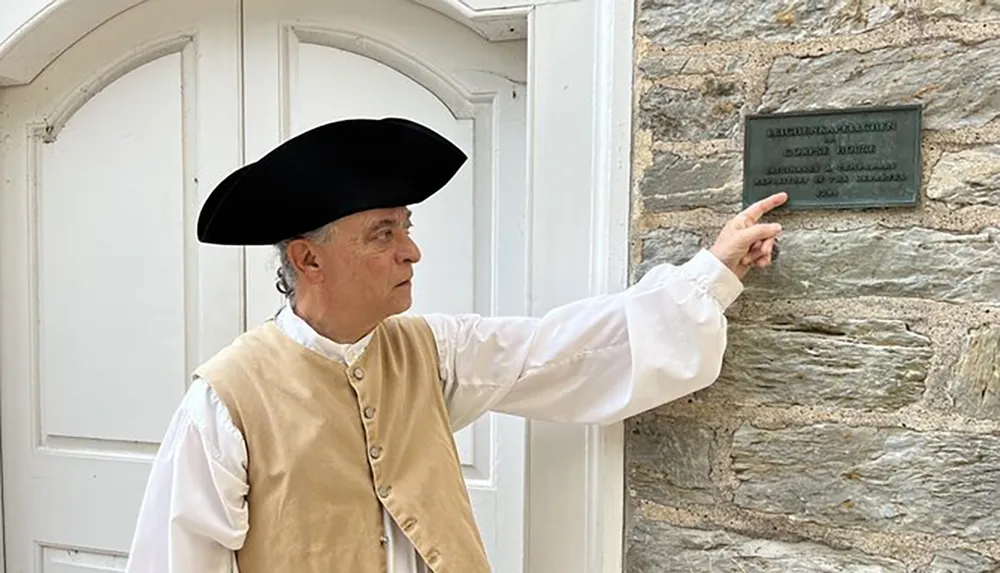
x=300 y=331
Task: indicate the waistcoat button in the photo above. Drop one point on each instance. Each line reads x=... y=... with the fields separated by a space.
x=369 y=412
x=383 y=540
x=375 y=452
x=358 y=373
x=384 y=491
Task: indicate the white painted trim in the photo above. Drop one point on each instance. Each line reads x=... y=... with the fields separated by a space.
x=579 y=123
x=59 y=24
x=460 y=101
x=496 y=24
x=580 y=173
x=613 y=83
x=104 y=78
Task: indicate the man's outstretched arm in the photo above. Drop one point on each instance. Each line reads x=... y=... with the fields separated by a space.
x=606 y=358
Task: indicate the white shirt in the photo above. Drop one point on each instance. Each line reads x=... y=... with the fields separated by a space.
x=594 y=361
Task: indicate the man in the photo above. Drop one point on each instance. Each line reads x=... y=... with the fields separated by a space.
x=321 y=440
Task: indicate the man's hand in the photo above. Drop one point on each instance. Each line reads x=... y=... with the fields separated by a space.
x=744 y=242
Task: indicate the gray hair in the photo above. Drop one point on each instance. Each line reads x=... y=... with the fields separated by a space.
x=288 y=279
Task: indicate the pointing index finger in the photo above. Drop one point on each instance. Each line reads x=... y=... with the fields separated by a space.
x=757 y=210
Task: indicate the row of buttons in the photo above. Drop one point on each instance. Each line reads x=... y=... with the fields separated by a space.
x=376 y=452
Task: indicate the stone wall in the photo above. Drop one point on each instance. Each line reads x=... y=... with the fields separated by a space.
x=856 y=424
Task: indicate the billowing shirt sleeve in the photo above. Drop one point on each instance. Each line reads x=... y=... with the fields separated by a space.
x=594 y=361
x=193 y=515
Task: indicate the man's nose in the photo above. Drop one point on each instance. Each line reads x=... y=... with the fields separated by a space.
x=409 y=252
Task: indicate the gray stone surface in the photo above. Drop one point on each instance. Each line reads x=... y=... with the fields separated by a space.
x=709 y=111
x=916 y=262
x=869 y=364
x=891 y=480
x=961 y=10
x=846 y=482
x=667 y=246
x=669 y=460
x=975 y=385
x=673 y=182
x=956 y=83
x=662 y=66
x=675 y=21
x=967 y=177
x=659 y=547
x=962 y=561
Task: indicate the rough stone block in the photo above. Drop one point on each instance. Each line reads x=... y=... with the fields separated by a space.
x=656 y=67
x=682 y=21
x=659 y=547
x=669 y=460
x=967 y=177
x=709 y=111
x=659 y=66
x=975 y=386
x=954 y=81
x=674 y=182
x=871 y=261
x=962 y=561
x=961 y=10
x=667 y=246
x=868 y=363
x=883 y=479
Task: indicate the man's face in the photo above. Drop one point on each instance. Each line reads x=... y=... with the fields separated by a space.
x=368 y=262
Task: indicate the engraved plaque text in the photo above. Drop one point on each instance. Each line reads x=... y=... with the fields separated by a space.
x=834 y=159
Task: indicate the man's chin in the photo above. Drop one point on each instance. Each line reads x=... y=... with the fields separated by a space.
x=401 y=302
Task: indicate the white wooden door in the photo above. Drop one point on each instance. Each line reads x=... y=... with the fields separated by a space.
x=106 y=299
x=308 y=62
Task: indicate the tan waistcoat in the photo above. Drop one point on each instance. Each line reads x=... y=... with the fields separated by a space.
x=328 y=447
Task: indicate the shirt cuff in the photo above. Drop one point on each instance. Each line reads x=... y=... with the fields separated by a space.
x=709 y=273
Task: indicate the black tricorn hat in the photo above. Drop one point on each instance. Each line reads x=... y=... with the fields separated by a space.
x=326 y=173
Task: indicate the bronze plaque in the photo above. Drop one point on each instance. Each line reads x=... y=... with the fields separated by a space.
x=856 y=158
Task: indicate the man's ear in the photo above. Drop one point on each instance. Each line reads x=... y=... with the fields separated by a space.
x=303 y=257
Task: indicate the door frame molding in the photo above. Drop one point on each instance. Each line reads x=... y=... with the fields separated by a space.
x=580 y=78
x=580 y=74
